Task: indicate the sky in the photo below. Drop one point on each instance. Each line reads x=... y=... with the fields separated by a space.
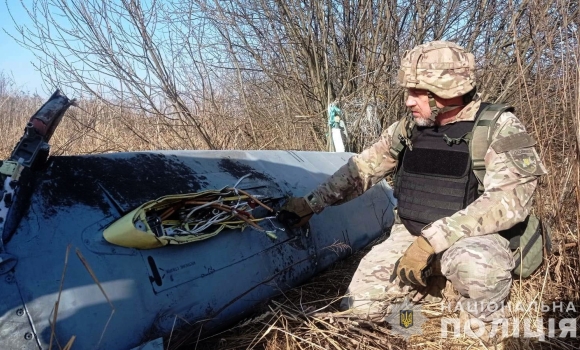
x=16 y=61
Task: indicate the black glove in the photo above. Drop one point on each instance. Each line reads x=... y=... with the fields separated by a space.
x=295 y=212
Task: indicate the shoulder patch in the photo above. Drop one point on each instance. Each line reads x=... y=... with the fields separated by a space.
x=526 y=161
x=513 y=142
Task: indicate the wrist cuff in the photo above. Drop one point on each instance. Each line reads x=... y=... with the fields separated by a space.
x=314 y=202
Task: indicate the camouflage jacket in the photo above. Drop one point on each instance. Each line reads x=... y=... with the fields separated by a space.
x=510 y=181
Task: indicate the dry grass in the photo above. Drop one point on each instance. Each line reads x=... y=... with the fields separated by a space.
x=97 y=127
x=308 y=317
x=293 y=321
x=549 y=108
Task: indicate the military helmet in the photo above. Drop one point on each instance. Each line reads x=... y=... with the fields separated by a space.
x=441 y=67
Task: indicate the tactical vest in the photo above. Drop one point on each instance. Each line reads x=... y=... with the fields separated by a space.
x=441 y=168
x=441 y=171
x=434 y=177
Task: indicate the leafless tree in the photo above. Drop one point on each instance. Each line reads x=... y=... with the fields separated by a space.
x=281 y=63
x=262 y=73
x=130 y=52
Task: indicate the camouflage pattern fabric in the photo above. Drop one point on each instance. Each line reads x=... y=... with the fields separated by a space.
x=441 y=67
x=359 y=174
x=508 y=185
x=480 y=270
x=510 y=182
x=370 y=291
x=478 y=267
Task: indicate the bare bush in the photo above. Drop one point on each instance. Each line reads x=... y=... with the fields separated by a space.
x=239 y=74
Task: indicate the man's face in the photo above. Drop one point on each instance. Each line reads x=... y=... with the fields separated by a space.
x=418 y=104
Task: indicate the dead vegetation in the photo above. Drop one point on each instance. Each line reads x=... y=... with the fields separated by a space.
x=279 y=66
x=308 y=317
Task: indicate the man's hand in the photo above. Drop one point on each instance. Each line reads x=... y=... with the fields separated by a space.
x=295 y=212
x=414 y=267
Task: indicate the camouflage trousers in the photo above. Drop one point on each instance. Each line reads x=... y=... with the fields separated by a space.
x=478 y=267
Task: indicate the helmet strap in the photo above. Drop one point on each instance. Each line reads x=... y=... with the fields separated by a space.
x=435 y=111
x=433 y=105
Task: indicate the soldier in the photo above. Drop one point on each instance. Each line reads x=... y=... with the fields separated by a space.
x=441 y=218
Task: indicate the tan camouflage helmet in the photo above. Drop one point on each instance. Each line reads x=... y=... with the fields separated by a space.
x=441 y=67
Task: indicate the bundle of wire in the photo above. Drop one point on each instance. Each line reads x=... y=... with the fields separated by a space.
x=198 y=216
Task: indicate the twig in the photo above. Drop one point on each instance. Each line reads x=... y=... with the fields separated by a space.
x=94 y=277
x=69 y=345
x=56 y=304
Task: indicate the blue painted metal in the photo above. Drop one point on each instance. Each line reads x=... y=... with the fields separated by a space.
x=216 y=281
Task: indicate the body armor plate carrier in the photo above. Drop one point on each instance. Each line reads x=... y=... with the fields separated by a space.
x=434 y=179
x=441 y=171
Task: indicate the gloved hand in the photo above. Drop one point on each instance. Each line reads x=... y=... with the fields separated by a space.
x=414 y=267
x=295 y=212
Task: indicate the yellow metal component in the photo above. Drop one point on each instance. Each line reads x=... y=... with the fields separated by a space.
x=124 y=232
x=8 y=167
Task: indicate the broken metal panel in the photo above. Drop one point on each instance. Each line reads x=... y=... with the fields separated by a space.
x=222 y=278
